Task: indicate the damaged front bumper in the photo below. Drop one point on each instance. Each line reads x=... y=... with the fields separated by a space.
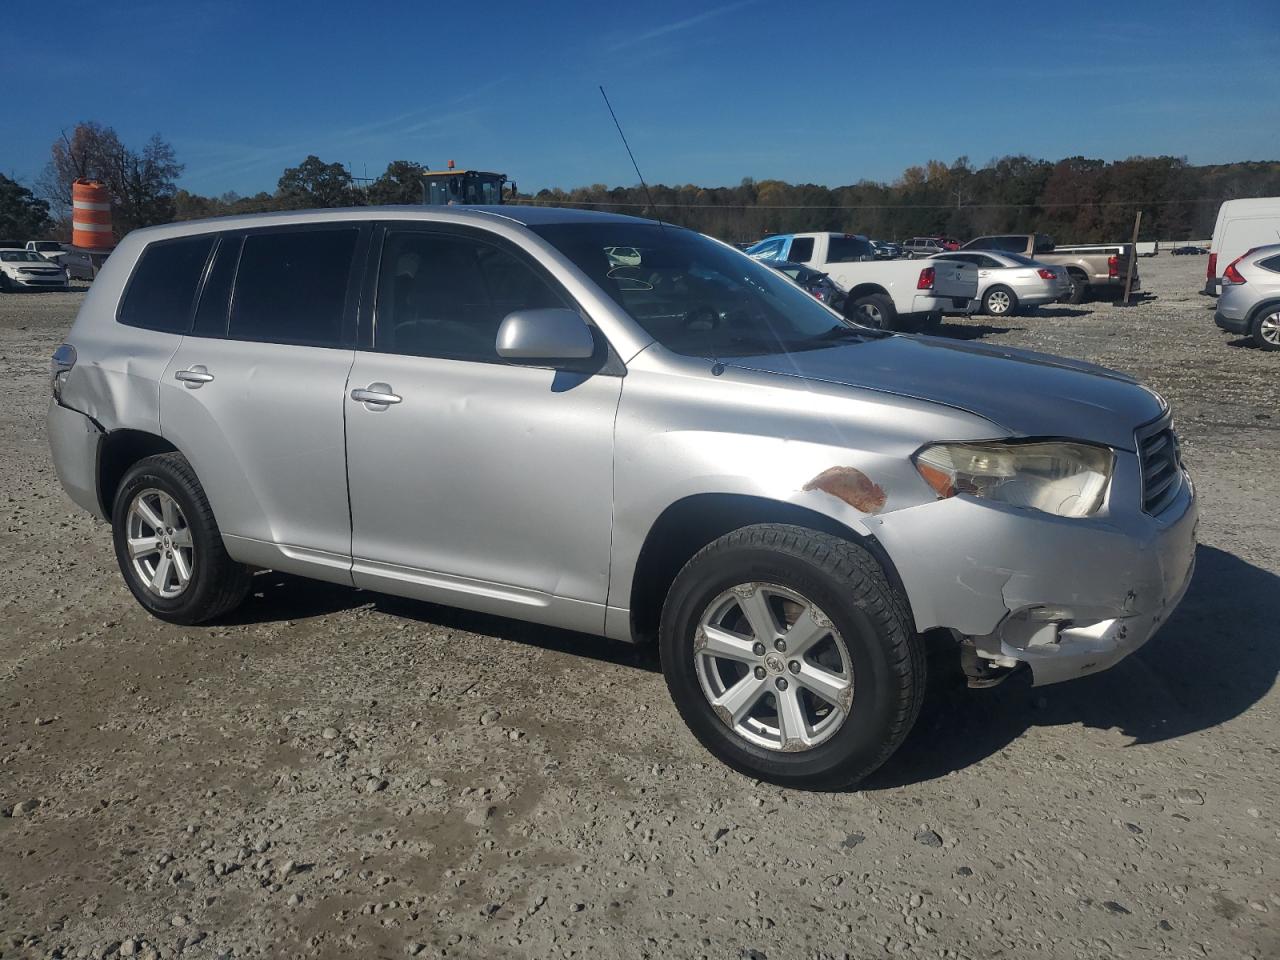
x=1067 y=597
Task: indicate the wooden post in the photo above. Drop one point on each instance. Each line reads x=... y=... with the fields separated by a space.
x=1133 y=259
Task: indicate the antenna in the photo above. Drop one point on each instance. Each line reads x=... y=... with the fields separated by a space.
x=656 y=215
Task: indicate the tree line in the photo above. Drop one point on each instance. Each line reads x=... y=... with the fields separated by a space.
x=1076 y=199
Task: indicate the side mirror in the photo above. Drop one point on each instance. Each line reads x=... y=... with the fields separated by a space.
x=548 y=335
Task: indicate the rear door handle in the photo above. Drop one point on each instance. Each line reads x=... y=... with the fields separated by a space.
x=376 y=396
x=194 y=376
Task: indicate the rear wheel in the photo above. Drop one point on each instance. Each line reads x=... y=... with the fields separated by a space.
x=790 y=657
x=1079 y=287
x=168 y=544
x=874 y=310
x=1266 y=328
x=1000 y=302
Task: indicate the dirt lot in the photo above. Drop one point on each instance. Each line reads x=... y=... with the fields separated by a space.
x=340 y=773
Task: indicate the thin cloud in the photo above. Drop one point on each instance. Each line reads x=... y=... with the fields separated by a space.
x=678 y=25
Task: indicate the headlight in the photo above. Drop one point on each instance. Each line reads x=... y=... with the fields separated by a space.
x=1066 y=479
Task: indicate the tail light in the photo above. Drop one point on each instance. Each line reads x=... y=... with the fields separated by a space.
x=60 y=364
x=1211 y=271
x=926 y=279
x=1047 y=274
x=1231 y=274
x=1113 y=266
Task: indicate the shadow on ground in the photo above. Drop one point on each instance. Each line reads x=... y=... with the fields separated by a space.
x=1214 y=659
x=968 y=331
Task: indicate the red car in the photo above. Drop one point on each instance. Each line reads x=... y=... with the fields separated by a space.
x=948 y=243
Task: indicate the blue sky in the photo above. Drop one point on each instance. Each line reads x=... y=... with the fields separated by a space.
x=821 y=92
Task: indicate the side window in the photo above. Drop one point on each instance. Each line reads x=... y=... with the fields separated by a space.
x=801 y=250
x=989 y=263
x=1271 y=263
x=215 y=296
x=982 y=243
x=162 y=290
x=1012 y=244
x=291 y=287
x=445 y=296
x=766 y=250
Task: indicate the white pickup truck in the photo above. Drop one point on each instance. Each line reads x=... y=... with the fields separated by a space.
x=890 y=294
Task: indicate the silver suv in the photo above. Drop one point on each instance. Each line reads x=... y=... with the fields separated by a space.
x=494 y=409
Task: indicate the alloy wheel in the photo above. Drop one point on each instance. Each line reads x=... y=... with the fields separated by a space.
x=872 y=315
x=773 y=667
x=159 y=542
x=1269 y=328
x=997 y=302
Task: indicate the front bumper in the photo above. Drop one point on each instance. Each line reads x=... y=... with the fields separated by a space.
x=74 y=441
x=1068 y=597
x=36 y=282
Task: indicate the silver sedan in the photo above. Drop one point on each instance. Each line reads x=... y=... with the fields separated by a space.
x=1250 y=301
x=1009 y=281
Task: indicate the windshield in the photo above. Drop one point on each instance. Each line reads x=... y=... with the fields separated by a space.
x=20 y=256
x=694 y=296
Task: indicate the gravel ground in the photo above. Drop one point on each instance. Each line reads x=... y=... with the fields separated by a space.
x=339 y=773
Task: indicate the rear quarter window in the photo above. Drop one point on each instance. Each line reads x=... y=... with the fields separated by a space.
x=847 y=250
x=162 y=290
x=291 y=287
x=1271 y=263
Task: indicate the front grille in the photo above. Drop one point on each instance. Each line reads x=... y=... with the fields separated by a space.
x=1161 y=470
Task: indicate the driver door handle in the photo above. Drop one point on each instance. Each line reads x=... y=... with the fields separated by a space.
x=375 y=396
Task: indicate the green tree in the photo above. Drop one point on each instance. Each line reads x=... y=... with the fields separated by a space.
x=401 y=182
x=314 y=183
x=22 y=214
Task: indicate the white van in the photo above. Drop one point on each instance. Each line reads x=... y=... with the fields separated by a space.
x=1242 y=225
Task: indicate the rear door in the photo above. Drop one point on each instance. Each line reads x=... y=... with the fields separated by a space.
x=477 y=481
x=254 y=395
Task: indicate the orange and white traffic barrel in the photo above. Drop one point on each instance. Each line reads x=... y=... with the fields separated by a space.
x=91 y=216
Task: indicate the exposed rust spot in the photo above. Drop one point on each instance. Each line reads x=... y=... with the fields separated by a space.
x=850 y=485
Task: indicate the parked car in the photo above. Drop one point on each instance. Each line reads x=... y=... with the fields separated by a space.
x=1250 y=299
x=21 y=269
x=813 y=282
x=948 y=243
x=77 y=263
x=1010 y=282
x=1185 y=251
x=1091 y=272
x=1241 y=225
x=887 y=294
x=788 y=502
x=884 y=250
x=923 y=247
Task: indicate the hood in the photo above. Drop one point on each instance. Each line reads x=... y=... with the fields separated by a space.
x=1029 y=394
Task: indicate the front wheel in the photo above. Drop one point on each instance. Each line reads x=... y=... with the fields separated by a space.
x=790 y=657
x=1266 y=328
x=168 y=544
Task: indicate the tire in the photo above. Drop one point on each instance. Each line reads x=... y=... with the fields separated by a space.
x=1000 y=301
x=869 y=644
x=874 y=310
x=5 y=286
x=167 y=487
x=1265 y=329
x=1080 y=290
